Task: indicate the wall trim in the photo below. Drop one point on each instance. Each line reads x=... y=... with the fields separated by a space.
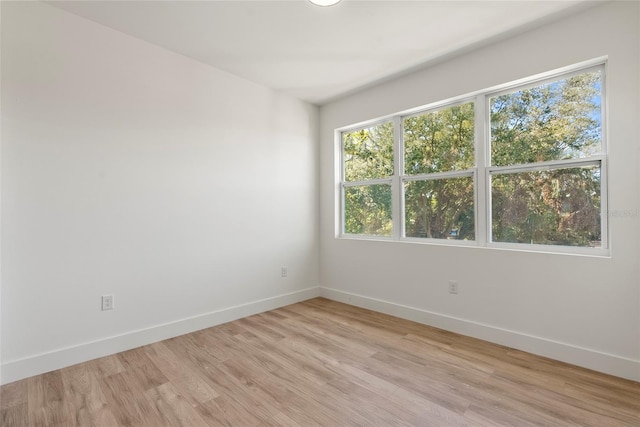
x=15 y=370
x=584 y=357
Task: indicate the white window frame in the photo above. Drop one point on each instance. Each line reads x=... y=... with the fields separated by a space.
x=403 y=178
x=346 y=184
x=483 y=170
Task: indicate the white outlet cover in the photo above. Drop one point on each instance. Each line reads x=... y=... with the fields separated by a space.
x=107 y=302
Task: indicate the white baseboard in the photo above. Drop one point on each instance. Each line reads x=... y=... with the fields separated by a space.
x=584 y=357
x=34 y=365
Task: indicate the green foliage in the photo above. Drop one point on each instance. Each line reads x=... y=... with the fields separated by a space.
x=368 y=210
x=440 y=141
x=557 y=207
x=559 y=120
x=555 y=121
x=368 y=153
x=440 y=208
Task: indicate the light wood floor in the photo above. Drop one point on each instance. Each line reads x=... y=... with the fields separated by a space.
x=321 y=363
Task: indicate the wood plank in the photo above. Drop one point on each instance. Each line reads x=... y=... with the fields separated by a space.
x=45 y=400
x=13 y=394
x=105 y=366
x=173 y=407
x=85 y=400
x=181 y=375
x=126 y=398
x=15 y=415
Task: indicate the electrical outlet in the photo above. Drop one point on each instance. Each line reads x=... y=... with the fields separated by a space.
x=283 y=272
x=453 y=287
x=107 y=302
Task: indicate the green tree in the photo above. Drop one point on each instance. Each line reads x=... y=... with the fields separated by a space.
x=368 y=154
x=440 y=141
x=555 y=121
x=368 y=210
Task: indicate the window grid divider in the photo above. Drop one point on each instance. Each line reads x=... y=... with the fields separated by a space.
x=397 y=189
x=482 y=214
x=388 y=181
x=546 y=166
x=437 y=175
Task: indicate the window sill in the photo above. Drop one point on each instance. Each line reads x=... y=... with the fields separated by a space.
x=514 y=247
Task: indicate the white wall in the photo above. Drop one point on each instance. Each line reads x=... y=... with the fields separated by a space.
x=583 y=310
x=0 y=202
x=133 y=171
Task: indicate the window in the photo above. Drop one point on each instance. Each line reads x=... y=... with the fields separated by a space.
x=439 y=166
x=367 y=155
x=522 y=165
x=545 y=166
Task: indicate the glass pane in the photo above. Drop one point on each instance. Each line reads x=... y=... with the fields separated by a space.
x=558 y=120
x=439 y=141
x=368 y=152
x=440 y=209
x=557 y=207
x=368 y=210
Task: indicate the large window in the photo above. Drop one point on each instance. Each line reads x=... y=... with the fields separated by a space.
x=522 y=165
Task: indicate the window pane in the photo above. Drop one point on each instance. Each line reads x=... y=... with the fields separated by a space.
x=440 y=209
x=557 y=207
x=554 y=121
x=368 y=210
x=368 y=153
x=439 y=141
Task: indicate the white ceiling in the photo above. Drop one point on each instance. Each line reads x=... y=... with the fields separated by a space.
x=320 y=53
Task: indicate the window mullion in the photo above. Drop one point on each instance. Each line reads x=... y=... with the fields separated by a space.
x=481 y=178
x=397 y=204
x=604 y=205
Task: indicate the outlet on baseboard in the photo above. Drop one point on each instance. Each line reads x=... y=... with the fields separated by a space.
x=107 y=302
x=453 y=287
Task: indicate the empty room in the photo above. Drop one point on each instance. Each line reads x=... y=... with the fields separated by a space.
x=320 y=213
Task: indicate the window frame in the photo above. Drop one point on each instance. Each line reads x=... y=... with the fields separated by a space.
x=343 y=183
x=482 y=170
x=403 y=177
